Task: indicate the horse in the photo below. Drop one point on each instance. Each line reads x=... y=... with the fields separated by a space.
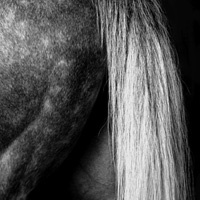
x=54 y=58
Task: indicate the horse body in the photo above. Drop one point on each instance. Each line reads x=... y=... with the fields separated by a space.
x=51 y=70
x=93 y=176
x=52 y=64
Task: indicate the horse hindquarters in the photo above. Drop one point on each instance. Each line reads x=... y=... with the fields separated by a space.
x=51 y=69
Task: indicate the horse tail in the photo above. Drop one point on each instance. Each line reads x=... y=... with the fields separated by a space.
x=146 y=113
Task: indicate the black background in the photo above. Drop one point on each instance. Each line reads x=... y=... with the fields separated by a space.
x=184 y=27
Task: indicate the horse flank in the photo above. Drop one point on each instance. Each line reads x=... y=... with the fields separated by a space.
x=146 y=113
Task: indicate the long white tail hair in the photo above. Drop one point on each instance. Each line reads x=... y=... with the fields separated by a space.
x=146 y=112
